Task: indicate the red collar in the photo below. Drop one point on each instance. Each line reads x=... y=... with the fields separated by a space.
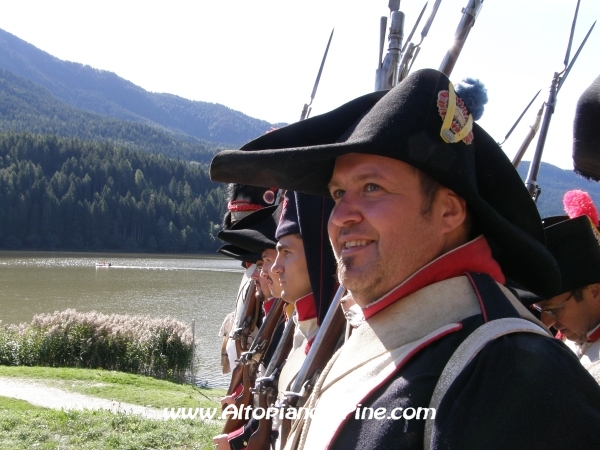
x=594 y=335
x=268 y=304
x=305 y=306
x=474 y=256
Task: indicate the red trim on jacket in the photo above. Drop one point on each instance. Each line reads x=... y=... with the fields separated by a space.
x=235 y=433
x=268 y=304
x=309 y=345
x=474 y=256
x=305 y=306
x=594 y=335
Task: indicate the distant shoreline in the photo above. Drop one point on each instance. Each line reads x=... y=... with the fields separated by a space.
x=69 y=253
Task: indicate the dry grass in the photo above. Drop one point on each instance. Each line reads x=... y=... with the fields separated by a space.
x=161 y=348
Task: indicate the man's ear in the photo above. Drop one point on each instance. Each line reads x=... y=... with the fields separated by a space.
x=454 y=212
x=595 y=291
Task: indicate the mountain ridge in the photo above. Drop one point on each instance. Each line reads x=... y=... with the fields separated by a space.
x=105 y=93
x=25 y=106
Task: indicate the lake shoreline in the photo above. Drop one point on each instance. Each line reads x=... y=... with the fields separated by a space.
x=200 y=288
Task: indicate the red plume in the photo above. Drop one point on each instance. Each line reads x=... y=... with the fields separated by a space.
x=578 y=203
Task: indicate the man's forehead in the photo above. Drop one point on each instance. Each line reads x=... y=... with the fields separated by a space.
x=362 y=165
x=269 y=252
x=289 y=240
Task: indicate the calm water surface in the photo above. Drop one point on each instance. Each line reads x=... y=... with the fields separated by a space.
x=202 y=287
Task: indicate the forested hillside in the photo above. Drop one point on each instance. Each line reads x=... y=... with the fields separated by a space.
x=60 y=193
x=554 y=182
x=25 y=106
x=109 y=95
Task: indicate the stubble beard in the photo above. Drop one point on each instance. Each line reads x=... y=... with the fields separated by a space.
x=361 y=283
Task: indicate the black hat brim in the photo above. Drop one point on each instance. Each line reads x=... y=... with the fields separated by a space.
x=238 y=253
x=255 y=232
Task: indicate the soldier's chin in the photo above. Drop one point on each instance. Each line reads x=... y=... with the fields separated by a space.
x=575 y=337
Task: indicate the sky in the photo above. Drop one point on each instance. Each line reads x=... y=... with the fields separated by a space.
x=261 y=57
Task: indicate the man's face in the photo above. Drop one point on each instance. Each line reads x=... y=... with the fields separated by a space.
x=267 y=273
x=575 y=318
x=262 y=288
x=290 y=266
x=377 y=229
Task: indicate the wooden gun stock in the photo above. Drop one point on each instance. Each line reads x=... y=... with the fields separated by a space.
x=249 y=363
x=243 y=401
x=261 y=438
x=236 y=379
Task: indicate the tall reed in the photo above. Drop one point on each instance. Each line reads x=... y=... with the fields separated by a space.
x=161 y=348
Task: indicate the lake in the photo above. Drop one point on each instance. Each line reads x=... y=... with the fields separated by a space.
x=186 y=287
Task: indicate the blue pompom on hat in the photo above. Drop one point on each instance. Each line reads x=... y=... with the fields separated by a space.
x=474 y=94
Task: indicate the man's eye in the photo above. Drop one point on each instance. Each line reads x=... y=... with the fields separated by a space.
x=372 y=187
x=337 y=193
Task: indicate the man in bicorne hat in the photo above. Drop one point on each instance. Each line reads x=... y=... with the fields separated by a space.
x=255 y=233
x=575 y=309
x=430 y=219
x=242 y=201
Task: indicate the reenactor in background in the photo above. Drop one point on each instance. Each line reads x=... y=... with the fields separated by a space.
x=243 y=200
x=305 y=266
x=255 y=233
x=574 y=311
x=430 y=220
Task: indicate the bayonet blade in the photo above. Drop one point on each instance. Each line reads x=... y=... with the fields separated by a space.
x=412 y=32
x=306 y=109
x=568 y=53
x=520 y=117
x=427 y=26
x=568 y=69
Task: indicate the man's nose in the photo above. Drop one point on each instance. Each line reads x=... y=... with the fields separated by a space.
x=547 y=319
x=277 y=266
x=345 y=212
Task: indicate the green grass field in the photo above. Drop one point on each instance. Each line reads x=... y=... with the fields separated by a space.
x=25 y=426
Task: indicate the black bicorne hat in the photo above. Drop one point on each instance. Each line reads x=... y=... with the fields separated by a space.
x=243 y=200
x=586 y=133
x=408 y=124
x=575 y=244
x=255 y=232
x=289 y=223
x=240 y=254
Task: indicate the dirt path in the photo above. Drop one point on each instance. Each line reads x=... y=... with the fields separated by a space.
x=38 y=393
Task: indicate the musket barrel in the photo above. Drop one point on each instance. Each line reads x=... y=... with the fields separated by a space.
x=462 y=32
x=530 y=135
x=387 y=75
x=534 y=168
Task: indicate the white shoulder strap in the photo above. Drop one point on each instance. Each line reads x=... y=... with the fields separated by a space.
x=466 y=351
